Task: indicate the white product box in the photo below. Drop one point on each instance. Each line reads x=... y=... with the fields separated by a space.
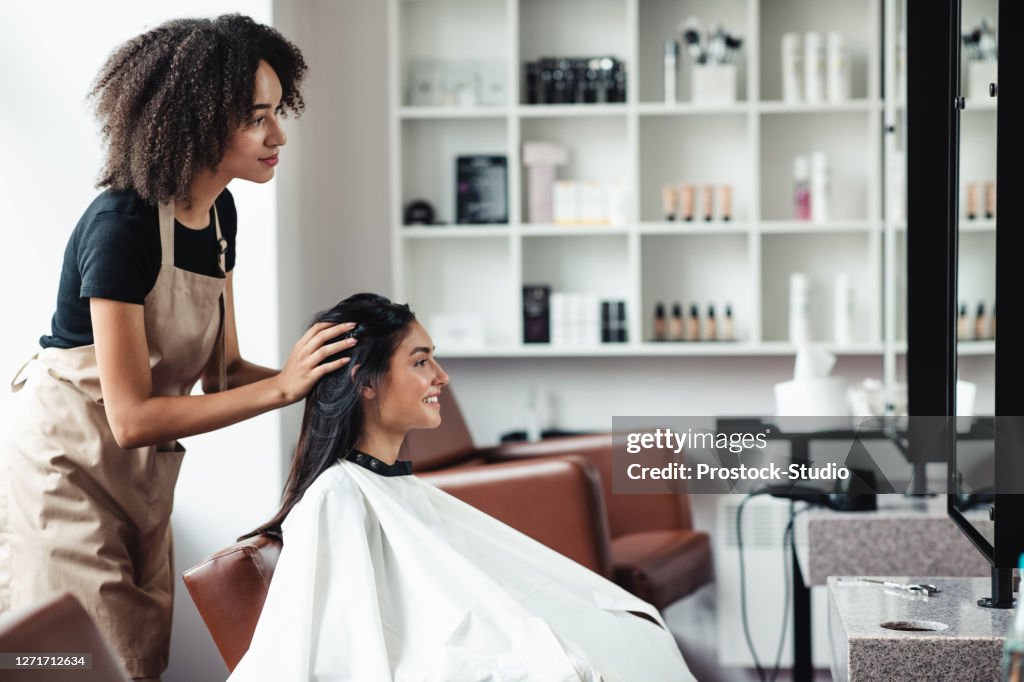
x=423 y=83
x=593 y=207
x=615 y=199
x=458 y=84
x=566 y=203
x=457 y=330
x=713 y=84
x=492 y=84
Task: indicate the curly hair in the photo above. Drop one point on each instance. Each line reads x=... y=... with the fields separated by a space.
x=170 y=99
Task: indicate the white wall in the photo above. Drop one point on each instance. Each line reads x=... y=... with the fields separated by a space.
x=50 y=52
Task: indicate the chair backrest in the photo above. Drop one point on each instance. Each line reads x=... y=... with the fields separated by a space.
x=447 y=445
x=229 y=589
x=57 y=625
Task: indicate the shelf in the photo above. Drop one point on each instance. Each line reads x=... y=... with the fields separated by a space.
x=651 y=349
x=450 y=231
x=982 y=225
x=690 y=109
x=570 y=110
x=809 y=227
x=987 y=347
x=541 y=230
x=414 y=113
x=776 y=107
x=696 y=227
x=984 y=104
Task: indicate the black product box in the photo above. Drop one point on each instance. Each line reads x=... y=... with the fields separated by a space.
x=536 y=313
x=481 y=189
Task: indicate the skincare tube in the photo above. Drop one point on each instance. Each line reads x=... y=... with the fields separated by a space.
x=671 y=55
x=990 y=199
x=686 y=201
x=725 y=203
x=819 y=187
x=668 y=202
x=842 y=310
x=972 y=200
x=814 y=90
x=792 y=63
x=838 y=68
x=707 y=201
x=799 y=309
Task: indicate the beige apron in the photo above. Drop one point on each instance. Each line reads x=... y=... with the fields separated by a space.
x=83 y=514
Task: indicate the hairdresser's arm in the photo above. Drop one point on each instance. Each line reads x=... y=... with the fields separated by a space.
x=137 y=418
x=240 y=372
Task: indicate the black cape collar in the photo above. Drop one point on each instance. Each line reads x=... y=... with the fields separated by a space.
x=401 y=467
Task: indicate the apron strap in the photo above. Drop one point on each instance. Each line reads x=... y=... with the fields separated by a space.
x=222 y=247
x=18 y=381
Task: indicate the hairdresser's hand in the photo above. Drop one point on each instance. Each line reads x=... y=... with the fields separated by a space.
x=303 y=368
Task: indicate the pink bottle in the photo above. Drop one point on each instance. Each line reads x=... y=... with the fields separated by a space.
x=801 y=188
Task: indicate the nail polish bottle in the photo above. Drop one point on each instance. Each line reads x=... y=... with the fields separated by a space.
x=711 y=325
x=980 y=322
x=659 y=322
x=972 y=200
x=693 y=324
x=728 y=328
x=990 y=199
x=961 y=324
x=675 y=327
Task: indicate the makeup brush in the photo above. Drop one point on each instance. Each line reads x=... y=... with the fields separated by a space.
x=691 y=38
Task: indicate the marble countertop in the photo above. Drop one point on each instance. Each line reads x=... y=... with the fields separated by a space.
x=904 y=536
x=957 y=639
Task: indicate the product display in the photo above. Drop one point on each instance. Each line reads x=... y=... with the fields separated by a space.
x=537 y=313
x=481 y=189
x=540 y=159
x=587 y=80
x=458 y=83
x=714 y=54
x=589 y=203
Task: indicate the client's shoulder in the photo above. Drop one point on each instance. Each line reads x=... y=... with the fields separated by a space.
x=333 y=491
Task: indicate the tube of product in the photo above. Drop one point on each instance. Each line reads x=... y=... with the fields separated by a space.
x=686 y=201
x=842 y=310
x=725 y=198
x=671 y=55
x=838 y=68
x=707 y=201
x=801 y=188
x=799 y=309
x=792 y=63
x=819 y=187
x=972 y=200
x=814 y=91
x=990 y=199
x=668 y=202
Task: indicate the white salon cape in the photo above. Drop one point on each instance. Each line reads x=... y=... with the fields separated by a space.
x=387 y=578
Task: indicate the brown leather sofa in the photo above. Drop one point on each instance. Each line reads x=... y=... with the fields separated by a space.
x=565 y=512
x=57 y=625
x=656 y=554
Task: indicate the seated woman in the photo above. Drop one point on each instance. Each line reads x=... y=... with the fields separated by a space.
x=385 y=577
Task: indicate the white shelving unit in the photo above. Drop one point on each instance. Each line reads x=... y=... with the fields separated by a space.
x=643 y=144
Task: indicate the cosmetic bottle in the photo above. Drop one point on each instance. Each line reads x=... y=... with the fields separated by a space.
x=838 y=68
x=814 y=90
x=792 y=63
x=842 y=310
x=668 y=202
x=728 y=327
x=961 y=324
x=659 y=322
x=980 y=322
x=711 y=325
x=707 y=201
x=671 y=55
x=801 y=188
x=693 y=324
x=675 y=325
x=607 y=326
x=725 y=199
x=799 y=309
x=819 y=187
x=686 y=201
x=620 y=315
x=972 y=200
x=990 y=199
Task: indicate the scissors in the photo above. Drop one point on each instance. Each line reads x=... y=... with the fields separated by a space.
x=922 y=589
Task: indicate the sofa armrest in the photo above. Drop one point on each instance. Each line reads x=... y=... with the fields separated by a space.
x=556 y=501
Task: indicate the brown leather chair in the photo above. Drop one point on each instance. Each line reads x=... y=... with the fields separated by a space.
x=564 y=511
x=57 y=625
x=656 y=553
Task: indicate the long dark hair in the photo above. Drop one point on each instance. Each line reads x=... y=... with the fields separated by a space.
x=334 y=417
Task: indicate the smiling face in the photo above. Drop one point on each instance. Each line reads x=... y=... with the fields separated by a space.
x=252 y=150
x=409 y=398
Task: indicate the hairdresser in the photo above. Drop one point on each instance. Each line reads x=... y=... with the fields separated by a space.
x=145 y=311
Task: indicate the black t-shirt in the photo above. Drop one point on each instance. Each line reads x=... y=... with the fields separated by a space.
x=114 y=252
